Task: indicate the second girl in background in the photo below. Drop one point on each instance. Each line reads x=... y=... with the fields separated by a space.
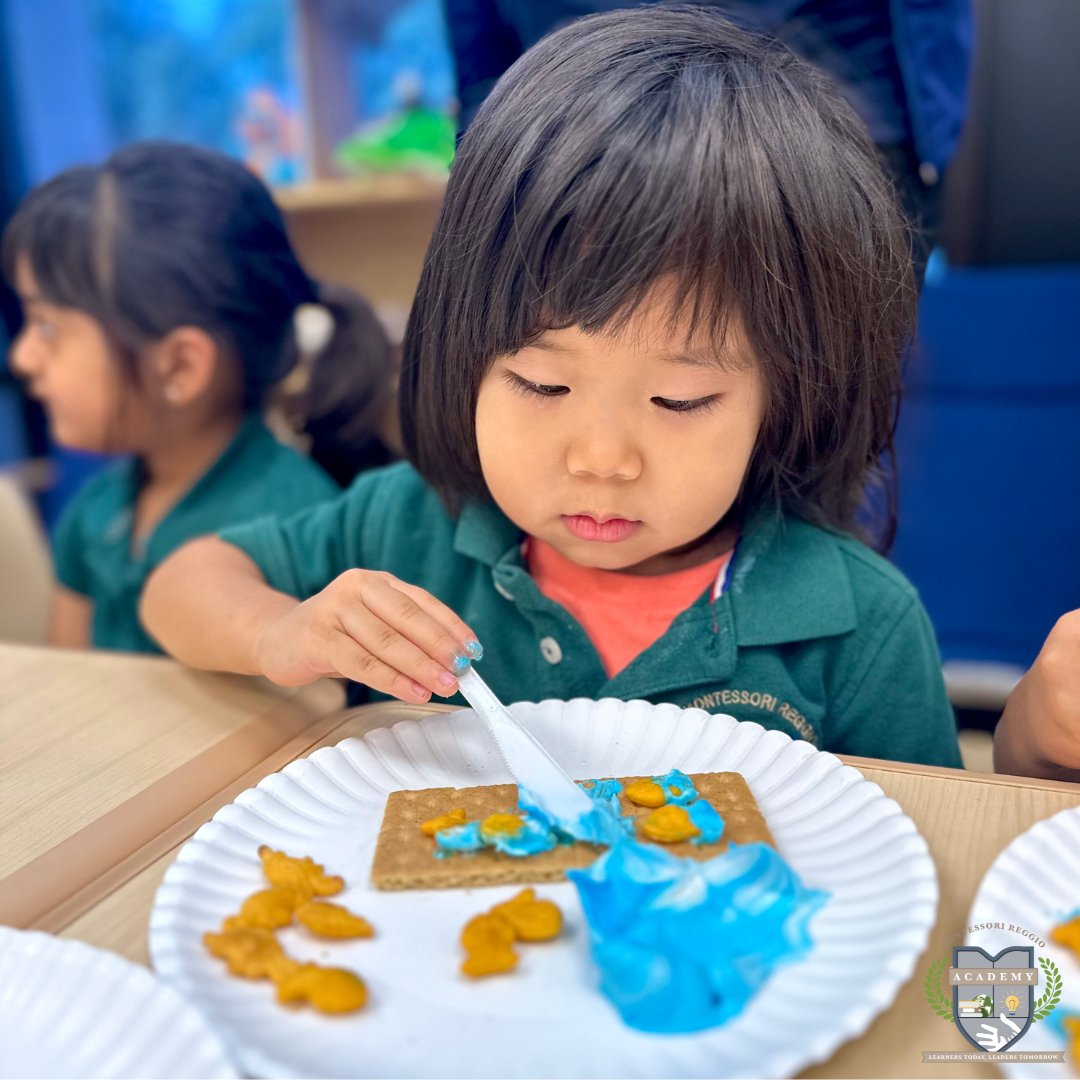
x=160 y=293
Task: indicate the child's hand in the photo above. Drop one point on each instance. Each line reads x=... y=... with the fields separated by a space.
x=370 y=627
x=1039 y=732
x=1054 y=692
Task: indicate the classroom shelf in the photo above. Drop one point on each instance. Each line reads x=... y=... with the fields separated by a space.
x=360 y=192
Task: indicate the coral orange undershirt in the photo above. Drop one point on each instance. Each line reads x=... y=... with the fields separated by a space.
x=623 y=614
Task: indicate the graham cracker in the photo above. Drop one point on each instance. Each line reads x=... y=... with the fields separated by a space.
x=405 y=858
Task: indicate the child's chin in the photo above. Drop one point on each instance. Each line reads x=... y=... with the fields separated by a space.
x=75 y=440
x=606 y=558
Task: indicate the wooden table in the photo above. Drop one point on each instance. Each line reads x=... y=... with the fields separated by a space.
x=211 y=729
x=108 y=759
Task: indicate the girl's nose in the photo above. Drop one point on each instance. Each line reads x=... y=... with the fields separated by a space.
x=22 y=356
x=604 y=452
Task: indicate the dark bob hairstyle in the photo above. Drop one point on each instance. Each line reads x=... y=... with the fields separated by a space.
x=666 y=142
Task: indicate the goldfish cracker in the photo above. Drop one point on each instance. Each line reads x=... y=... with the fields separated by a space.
x=531 y=919
x=646 y=793
x=669 y=825
x=501 y=825
x=252 y=953
x=1072 y=1033
x=303 y=875
x=267 y=909
x=443 y=821
x=332 y=920
x=1068 y=934
x=489 y=946
x=330 y=990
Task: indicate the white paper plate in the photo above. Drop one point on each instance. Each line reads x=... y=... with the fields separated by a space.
x=67 y=1009
x=1035 y=884
x=837 y=829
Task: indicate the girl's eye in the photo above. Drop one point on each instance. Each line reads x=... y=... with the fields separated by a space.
x=693 y=405
x=526 y=386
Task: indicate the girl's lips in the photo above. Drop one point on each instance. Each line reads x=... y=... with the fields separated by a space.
x=611 y=531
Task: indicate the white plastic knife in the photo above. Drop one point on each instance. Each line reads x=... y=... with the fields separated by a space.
x=533 y=767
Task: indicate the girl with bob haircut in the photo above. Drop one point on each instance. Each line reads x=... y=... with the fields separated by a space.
x=649 y=377
x=160 y=293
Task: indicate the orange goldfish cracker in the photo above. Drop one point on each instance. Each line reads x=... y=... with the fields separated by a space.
x=304 y=875
x=330 y=990
x=531 y=919
x=1072 y=1033
x=443 y=821
x=1068 y=934
x=501 y=825
x=489 y=946
x=332 y=920
x=251 y=952
x=266 y=909
x=646 y=793
x=669 y=825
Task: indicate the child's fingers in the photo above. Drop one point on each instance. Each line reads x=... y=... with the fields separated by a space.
x=422 y=619
x=352 y=661
x=459 y=631
x=385 y=642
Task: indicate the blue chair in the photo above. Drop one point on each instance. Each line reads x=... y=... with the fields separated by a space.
x=988 y=453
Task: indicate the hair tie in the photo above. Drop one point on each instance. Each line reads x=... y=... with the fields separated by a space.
x=313 y=326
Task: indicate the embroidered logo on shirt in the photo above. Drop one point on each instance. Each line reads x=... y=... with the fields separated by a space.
x=758 y=699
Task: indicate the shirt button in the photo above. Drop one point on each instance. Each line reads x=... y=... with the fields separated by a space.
x=550 y=651
x=502 y=590
x=928 y=173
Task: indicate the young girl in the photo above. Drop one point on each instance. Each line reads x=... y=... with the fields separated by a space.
x=160 y=292
x=651 y=368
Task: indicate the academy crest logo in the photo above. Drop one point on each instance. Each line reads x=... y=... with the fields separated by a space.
x=992 y=999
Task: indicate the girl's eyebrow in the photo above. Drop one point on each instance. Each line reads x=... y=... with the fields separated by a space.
x=693 y=358
x=546 y=345
x=727 y=360
x=685 y=357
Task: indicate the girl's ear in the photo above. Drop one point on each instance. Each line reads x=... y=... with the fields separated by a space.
x=185 y=364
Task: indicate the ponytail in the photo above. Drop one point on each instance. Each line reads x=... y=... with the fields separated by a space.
x=340 y=398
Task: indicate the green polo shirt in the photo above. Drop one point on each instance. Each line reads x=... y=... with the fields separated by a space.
x=93 y=549
x=815 y=636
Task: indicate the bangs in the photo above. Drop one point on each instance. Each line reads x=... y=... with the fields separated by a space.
x=62 y=232
x=585 y=237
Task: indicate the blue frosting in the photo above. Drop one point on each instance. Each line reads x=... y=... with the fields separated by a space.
x=533 y=837
x=605 y=792
x=677 y=781
x=683 y=945
x=460 y=837
x=601 y=825
x=705 y=817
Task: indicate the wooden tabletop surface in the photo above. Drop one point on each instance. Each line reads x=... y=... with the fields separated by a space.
x=108 y=763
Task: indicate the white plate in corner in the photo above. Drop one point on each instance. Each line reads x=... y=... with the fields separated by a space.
x=68 y=1009
x=837 y=829
x=1035 y=884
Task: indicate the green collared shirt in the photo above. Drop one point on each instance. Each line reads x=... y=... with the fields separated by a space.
x=96 y=555
x=815 y=635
